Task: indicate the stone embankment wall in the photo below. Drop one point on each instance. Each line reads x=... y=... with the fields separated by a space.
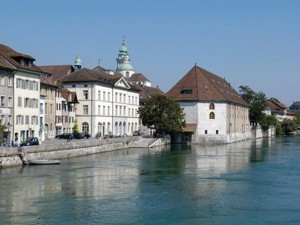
x=11 y=156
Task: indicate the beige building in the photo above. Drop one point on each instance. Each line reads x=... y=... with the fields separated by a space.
x=26 y=95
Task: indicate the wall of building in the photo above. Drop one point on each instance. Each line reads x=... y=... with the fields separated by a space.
x=23 y=130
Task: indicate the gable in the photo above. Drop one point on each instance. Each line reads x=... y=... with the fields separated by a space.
x=122 y=83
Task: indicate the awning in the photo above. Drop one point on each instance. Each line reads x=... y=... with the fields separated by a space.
x=190 y=127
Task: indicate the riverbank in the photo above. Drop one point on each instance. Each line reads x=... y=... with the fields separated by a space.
x=61 y=149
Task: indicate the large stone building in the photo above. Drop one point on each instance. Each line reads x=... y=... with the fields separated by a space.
x=214 y=111
x=108 y=104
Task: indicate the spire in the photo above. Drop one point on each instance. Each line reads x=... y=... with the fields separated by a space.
x=123 y=61
x=77 y=63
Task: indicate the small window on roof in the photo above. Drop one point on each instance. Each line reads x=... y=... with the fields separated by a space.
x=186 y=91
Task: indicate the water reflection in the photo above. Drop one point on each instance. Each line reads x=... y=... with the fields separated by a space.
x=194 y=177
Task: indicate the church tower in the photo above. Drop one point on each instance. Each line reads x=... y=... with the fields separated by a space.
x=77 y=63
x=123 y=62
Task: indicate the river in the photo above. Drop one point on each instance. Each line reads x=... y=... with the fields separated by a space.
x=252 y=182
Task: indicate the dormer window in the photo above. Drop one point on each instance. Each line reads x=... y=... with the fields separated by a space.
x=22 y=62
x=29 y=63
x=186 y=91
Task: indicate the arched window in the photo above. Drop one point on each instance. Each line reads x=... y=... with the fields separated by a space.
x=85 y=127
x=211 y=106
x=211 y=116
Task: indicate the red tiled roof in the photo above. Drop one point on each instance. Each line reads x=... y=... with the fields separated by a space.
x=58 y=71
x=5 y=64
x=47 y=79
x=137 y=77
x=12 y=57
x=190 y=127
x=66 y=93
x=146 y=92
x=276 y=107
x=201 y=85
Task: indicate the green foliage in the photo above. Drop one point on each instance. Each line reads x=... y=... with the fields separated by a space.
x=162 y=113
x=288 y=126
x=279 y=130
x=257 y=102
x=297 y=120
x=75 y=127
x=266 y=121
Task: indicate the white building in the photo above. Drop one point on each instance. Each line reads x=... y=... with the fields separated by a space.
x=214 y=111
x=108 y=104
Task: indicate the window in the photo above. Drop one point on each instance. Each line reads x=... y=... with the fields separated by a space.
x=186 y=91
x=85 y=94
x=20 y=101
x=108 y=96
x=104 y=96
x=108 y=110
x=103 y=110
x=211 y=116
x=2 y=80
x=85 y=85
x=10 y=82
x=46 y=108
x=99 y=95
x=205 y=131
x=10 y=102
x=85 y=110
x=19 y=83
x=217 y=131
x=27 y=120
x=116 y=97
x=85 y=127
x=120 y=99
x=211 y=106
x=51 y=108
x=73 y=85
x=99 y=113
x=2 y=101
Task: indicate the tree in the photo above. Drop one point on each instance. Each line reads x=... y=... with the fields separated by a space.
x=288 y=126
x=163 y=114
x=257 y=102
x=75 y=127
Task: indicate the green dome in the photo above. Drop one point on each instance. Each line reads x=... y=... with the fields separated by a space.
x=125 y=66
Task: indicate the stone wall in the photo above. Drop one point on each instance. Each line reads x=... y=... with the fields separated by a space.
x=10 y=156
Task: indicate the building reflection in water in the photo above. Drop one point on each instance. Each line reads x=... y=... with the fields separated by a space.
x=123 y=174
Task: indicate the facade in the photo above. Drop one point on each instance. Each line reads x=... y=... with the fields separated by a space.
x=6 y=99
x=47 y=107
x=214 y=111
x=123 y=62
x=26 y=96
x=68 y=113
x=279 y=110
x=108 y=104
x=65 y=100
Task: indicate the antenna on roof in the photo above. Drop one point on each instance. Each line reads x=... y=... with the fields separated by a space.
x=195 y=64
x=123 y=38
x=99 y=60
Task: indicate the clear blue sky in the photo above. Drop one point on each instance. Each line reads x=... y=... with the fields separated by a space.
x=249 y=42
